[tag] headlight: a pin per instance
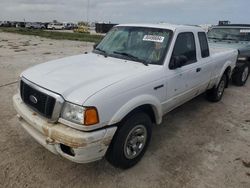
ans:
(74, 113)
(80, 115)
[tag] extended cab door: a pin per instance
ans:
(188, 79)
(205, 62)
(199, 72)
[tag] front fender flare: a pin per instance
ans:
(135, 103)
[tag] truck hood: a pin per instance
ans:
(76, 78)
(243, 47)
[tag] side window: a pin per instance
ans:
(185, 46)
(203, 44)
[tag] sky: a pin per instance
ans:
(127, 11)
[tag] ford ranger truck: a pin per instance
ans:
(235, 36)
(104, 103)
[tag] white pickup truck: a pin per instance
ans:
(105, 103)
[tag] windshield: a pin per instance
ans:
(234, 34)
(141, 44)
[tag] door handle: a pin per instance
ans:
(198, 69)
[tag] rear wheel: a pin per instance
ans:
(240, 75)
(130, 141)
(215, 94)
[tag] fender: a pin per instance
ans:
(225, 66)
(137, 102)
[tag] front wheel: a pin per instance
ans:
(130, 141)
(240, 75)
(215, 94)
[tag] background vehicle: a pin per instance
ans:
(235, 36)
(103, 27)
(35, 25)
(5, 24)
(81, 29)
(20, 24)
(105, 103)
(69, 26)
(56, 26)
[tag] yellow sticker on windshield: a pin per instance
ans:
(153, 38)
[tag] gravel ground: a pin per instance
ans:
(200, 144)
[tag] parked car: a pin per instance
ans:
(69, 26)
(235, 36)
(35, 25)
(56, 26)
(20, 24)
(5, 24)
(105, 103)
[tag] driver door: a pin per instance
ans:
(180, 82)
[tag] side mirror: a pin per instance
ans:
(95, 45)
(177, 61)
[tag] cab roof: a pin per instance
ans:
(165, 26)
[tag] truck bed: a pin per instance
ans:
(220, 50)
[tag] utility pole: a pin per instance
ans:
(87, 11)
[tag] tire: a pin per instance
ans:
(130, 141)
(215, 94)
(240, 75)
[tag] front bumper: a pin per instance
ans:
(81, 147)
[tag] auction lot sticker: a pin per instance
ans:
(245, 31)
(153, 38)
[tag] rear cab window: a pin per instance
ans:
(203, 44)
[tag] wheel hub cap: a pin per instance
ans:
(221, 88)
(135, 141)
(245, 74)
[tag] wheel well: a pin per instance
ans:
(227, 72)
(147, 108)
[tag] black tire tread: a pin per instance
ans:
(237, 76)
(115, 153)
(212, 94)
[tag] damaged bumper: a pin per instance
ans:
(75, 145)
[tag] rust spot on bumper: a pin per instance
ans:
(46, 130)
(107, 141)
(60, 134)
(63, 138)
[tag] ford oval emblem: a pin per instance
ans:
(33, 99)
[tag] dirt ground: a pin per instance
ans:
(200, 144)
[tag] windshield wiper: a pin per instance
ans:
(214, 38)
(103, 51)
(130, 56)
(231, 39)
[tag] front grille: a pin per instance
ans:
(38, 101)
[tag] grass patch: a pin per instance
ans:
(55, 35)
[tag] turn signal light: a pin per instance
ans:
(91, 116)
